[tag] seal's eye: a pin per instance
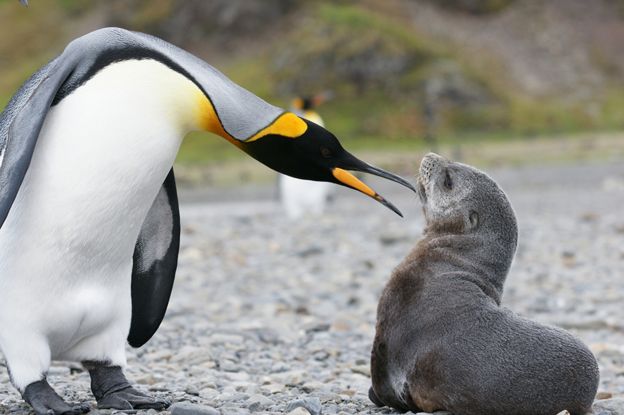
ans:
(448, 183)
(325, 152)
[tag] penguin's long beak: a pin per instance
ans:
(349, 180)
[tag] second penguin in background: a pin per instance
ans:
(304, 197)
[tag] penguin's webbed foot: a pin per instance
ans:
(112, 391)
(131, 398)
(45, 401)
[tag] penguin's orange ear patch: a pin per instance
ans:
(286, 125)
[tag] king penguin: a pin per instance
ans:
(89, 220)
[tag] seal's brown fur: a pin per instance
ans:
(442, 340)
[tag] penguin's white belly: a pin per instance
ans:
(66, 247)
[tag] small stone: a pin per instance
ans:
(614, 406)
(317, 328)
(187, 408)
(299, 411)
(362, 370)
(230, 410)
(340, 325)
(604, 395)
(392, 238)
(191, 391)
(312, 386)
(208, 393)
(273, 388)
(222, 338)
(147, 379)
(58, 371)
(258, 402)
(237, 376)
(348, 393)
(313, 405)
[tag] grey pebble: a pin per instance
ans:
(231, 410)
(313, 405)
(187, 408)
(257, 402)
(614, 406)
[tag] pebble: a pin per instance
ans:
(313, 405)
(257, 402)
(186, 408)
(614, 406)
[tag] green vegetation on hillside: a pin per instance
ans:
(391, 82)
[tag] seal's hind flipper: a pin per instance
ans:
(374, 398)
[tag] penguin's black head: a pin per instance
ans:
(317, 155)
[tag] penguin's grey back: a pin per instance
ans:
(94, 51)
(240, 113)
(18, 101)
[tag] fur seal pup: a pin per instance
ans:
(443, 342)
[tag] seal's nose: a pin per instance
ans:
(427, 165)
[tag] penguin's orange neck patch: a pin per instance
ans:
(286, 125)
(207, 116)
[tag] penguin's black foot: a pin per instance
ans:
(131, 398)
(112, 391)
(45, 401)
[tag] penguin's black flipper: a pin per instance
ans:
(155, 262)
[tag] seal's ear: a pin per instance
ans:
(474, 219)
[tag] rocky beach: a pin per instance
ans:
(272, 316)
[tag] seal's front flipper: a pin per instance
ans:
(113, 391)
(45, 401)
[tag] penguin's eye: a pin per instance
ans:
(325, 152)
(448, 183)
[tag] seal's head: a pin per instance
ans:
(457, 198)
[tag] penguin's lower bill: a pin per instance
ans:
(349, 180)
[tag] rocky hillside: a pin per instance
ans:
(396, 69)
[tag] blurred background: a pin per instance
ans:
(537, 81)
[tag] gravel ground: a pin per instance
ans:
(272, 316)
